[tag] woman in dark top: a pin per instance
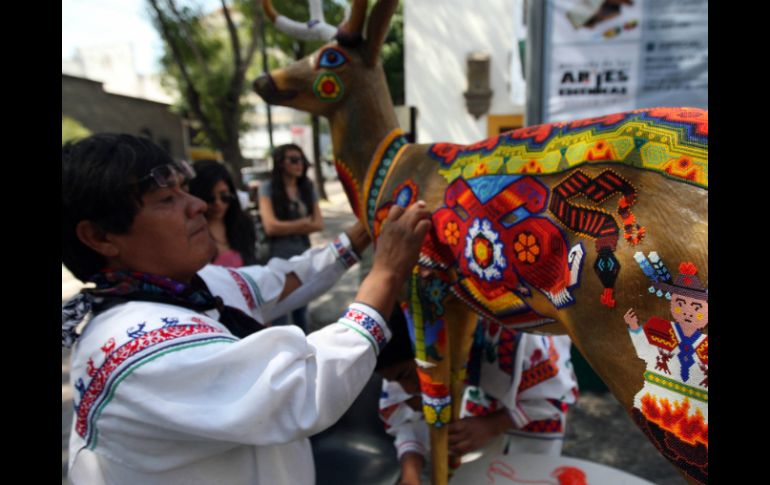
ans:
(232, 229)
(289, 209)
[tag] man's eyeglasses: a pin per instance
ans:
(294, 159)
(170, 175)
(223, 197)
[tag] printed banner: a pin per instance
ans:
(606, 56)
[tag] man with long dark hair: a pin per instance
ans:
(175, 378)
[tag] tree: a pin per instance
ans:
(392, 54)
(209, 66)
(211, 58)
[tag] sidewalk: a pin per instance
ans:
(598, 429)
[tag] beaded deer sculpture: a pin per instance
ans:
(543, 228)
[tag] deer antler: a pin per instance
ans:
(314, 29)
(354, 18)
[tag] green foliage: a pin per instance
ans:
(71, 129)
(203, 46)
(206, 50)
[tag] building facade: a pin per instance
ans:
(439, 38)
(86, 101)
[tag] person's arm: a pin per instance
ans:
(403, 422)
(276, 227)
(411, 468)
(272, 387)
(397, 252)
(359, 241)
(317, 219)
(283, 285)
(205, 386)
(359, 237)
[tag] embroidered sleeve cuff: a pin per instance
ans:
(343, 248)
(369, 323)
(638, 329)
(413, 446)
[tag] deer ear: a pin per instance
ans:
(377, 28)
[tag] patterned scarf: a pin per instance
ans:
(115, 287)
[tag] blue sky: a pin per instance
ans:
(87, 23)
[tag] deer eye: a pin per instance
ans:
(331, 58)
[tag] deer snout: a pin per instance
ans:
(265, 86)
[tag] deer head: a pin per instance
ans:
(342, 81)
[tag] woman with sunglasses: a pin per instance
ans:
(289, 209)
(232, 229)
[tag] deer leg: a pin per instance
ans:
(448, 374)
(433, 368)
(443, 332)
(439, 436)
(460, 326)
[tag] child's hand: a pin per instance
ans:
(470, 434)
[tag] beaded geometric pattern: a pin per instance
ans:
(436, 402)
(328, 87)
(379, 168)
(501, 233)
(349, 183)
(670, 141)
(500, 245)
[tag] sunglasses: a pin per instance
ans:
(294, 159)
(170, 175)
(223, 197)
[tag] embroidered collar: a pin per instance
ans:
(114, 287)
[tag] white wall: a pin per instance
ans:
(438, 36)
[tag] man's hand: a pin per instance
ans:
(470, 434)
(398, 248)
(398, 245)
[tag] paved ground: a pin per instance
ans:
(599, 429)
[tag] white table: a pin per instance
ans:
(540, 470)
